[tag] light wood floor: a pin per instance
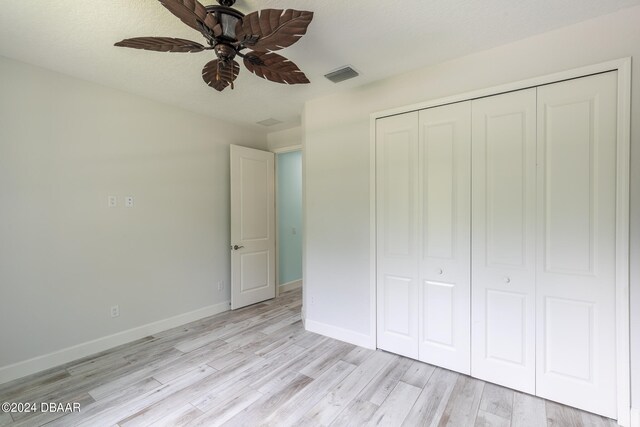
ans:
(257, 366)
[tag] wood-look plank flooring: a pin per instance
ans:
(258, 366)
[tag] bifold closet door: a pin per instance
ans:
(445, 189)
(503, 236)
(397, 233)
(576, 329)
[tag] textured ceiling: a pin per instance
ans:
(377, 38)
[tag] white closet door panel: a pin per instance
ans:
(503, 250)
(445, 188)
(576, 359)
(397, 233)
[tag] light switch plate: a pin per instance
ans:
(115, 311)
(112, 201)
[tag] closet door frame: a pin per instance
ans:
(623, 67)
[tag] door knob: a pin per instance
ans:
(440, 271)
(236, 247)
(507, 280)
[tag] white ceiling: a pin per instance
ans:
(378, 38)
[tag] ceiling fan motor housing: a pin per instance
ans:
(224, 51)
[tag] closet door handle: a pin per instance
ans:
(507, 280)
(236, 247)
(440, 271)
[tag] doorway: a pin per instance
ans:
(289, 220)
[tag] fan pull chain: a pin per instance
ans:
(218, 75)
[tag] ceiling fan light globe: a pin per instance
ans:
(228, 18)
(229, 23)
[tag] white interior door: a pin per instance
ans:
(503, 233)
(397, 233)
(576, 330)
(445, 264)
(252, 226)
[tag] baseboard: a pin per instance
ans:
(635, 417)
(290, 286)
(341, 334)
(69, 354)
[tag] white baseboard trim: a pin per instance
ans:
(69, 354)
(341, 334)
(635, 417)
(290, 286)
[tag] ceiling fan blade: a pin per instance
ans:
(192, 13)
(274, 28)
(274, 67)
(161, 44)
(219, 75)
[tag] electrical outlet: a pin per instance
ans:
(128, 201)
(115, 311)
(112, 201)
(293, 230)
(220, 285)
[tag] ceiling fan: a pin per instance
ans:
(228, 32)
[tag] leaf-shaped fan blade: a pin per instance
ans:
(275, 28)
(161, 44)
(191, 12)
(219, 75)
(274, 67)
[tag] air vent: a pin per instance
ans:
(342, 74)
(270, 122)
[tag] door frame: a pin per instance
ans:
(277, 151)
(623, 67)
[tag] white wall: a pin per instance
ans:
(336, 150)
(285, 138)
(65, 258)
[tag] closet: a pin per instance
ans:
(504, 239)
(496, 239)
(423, 209)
